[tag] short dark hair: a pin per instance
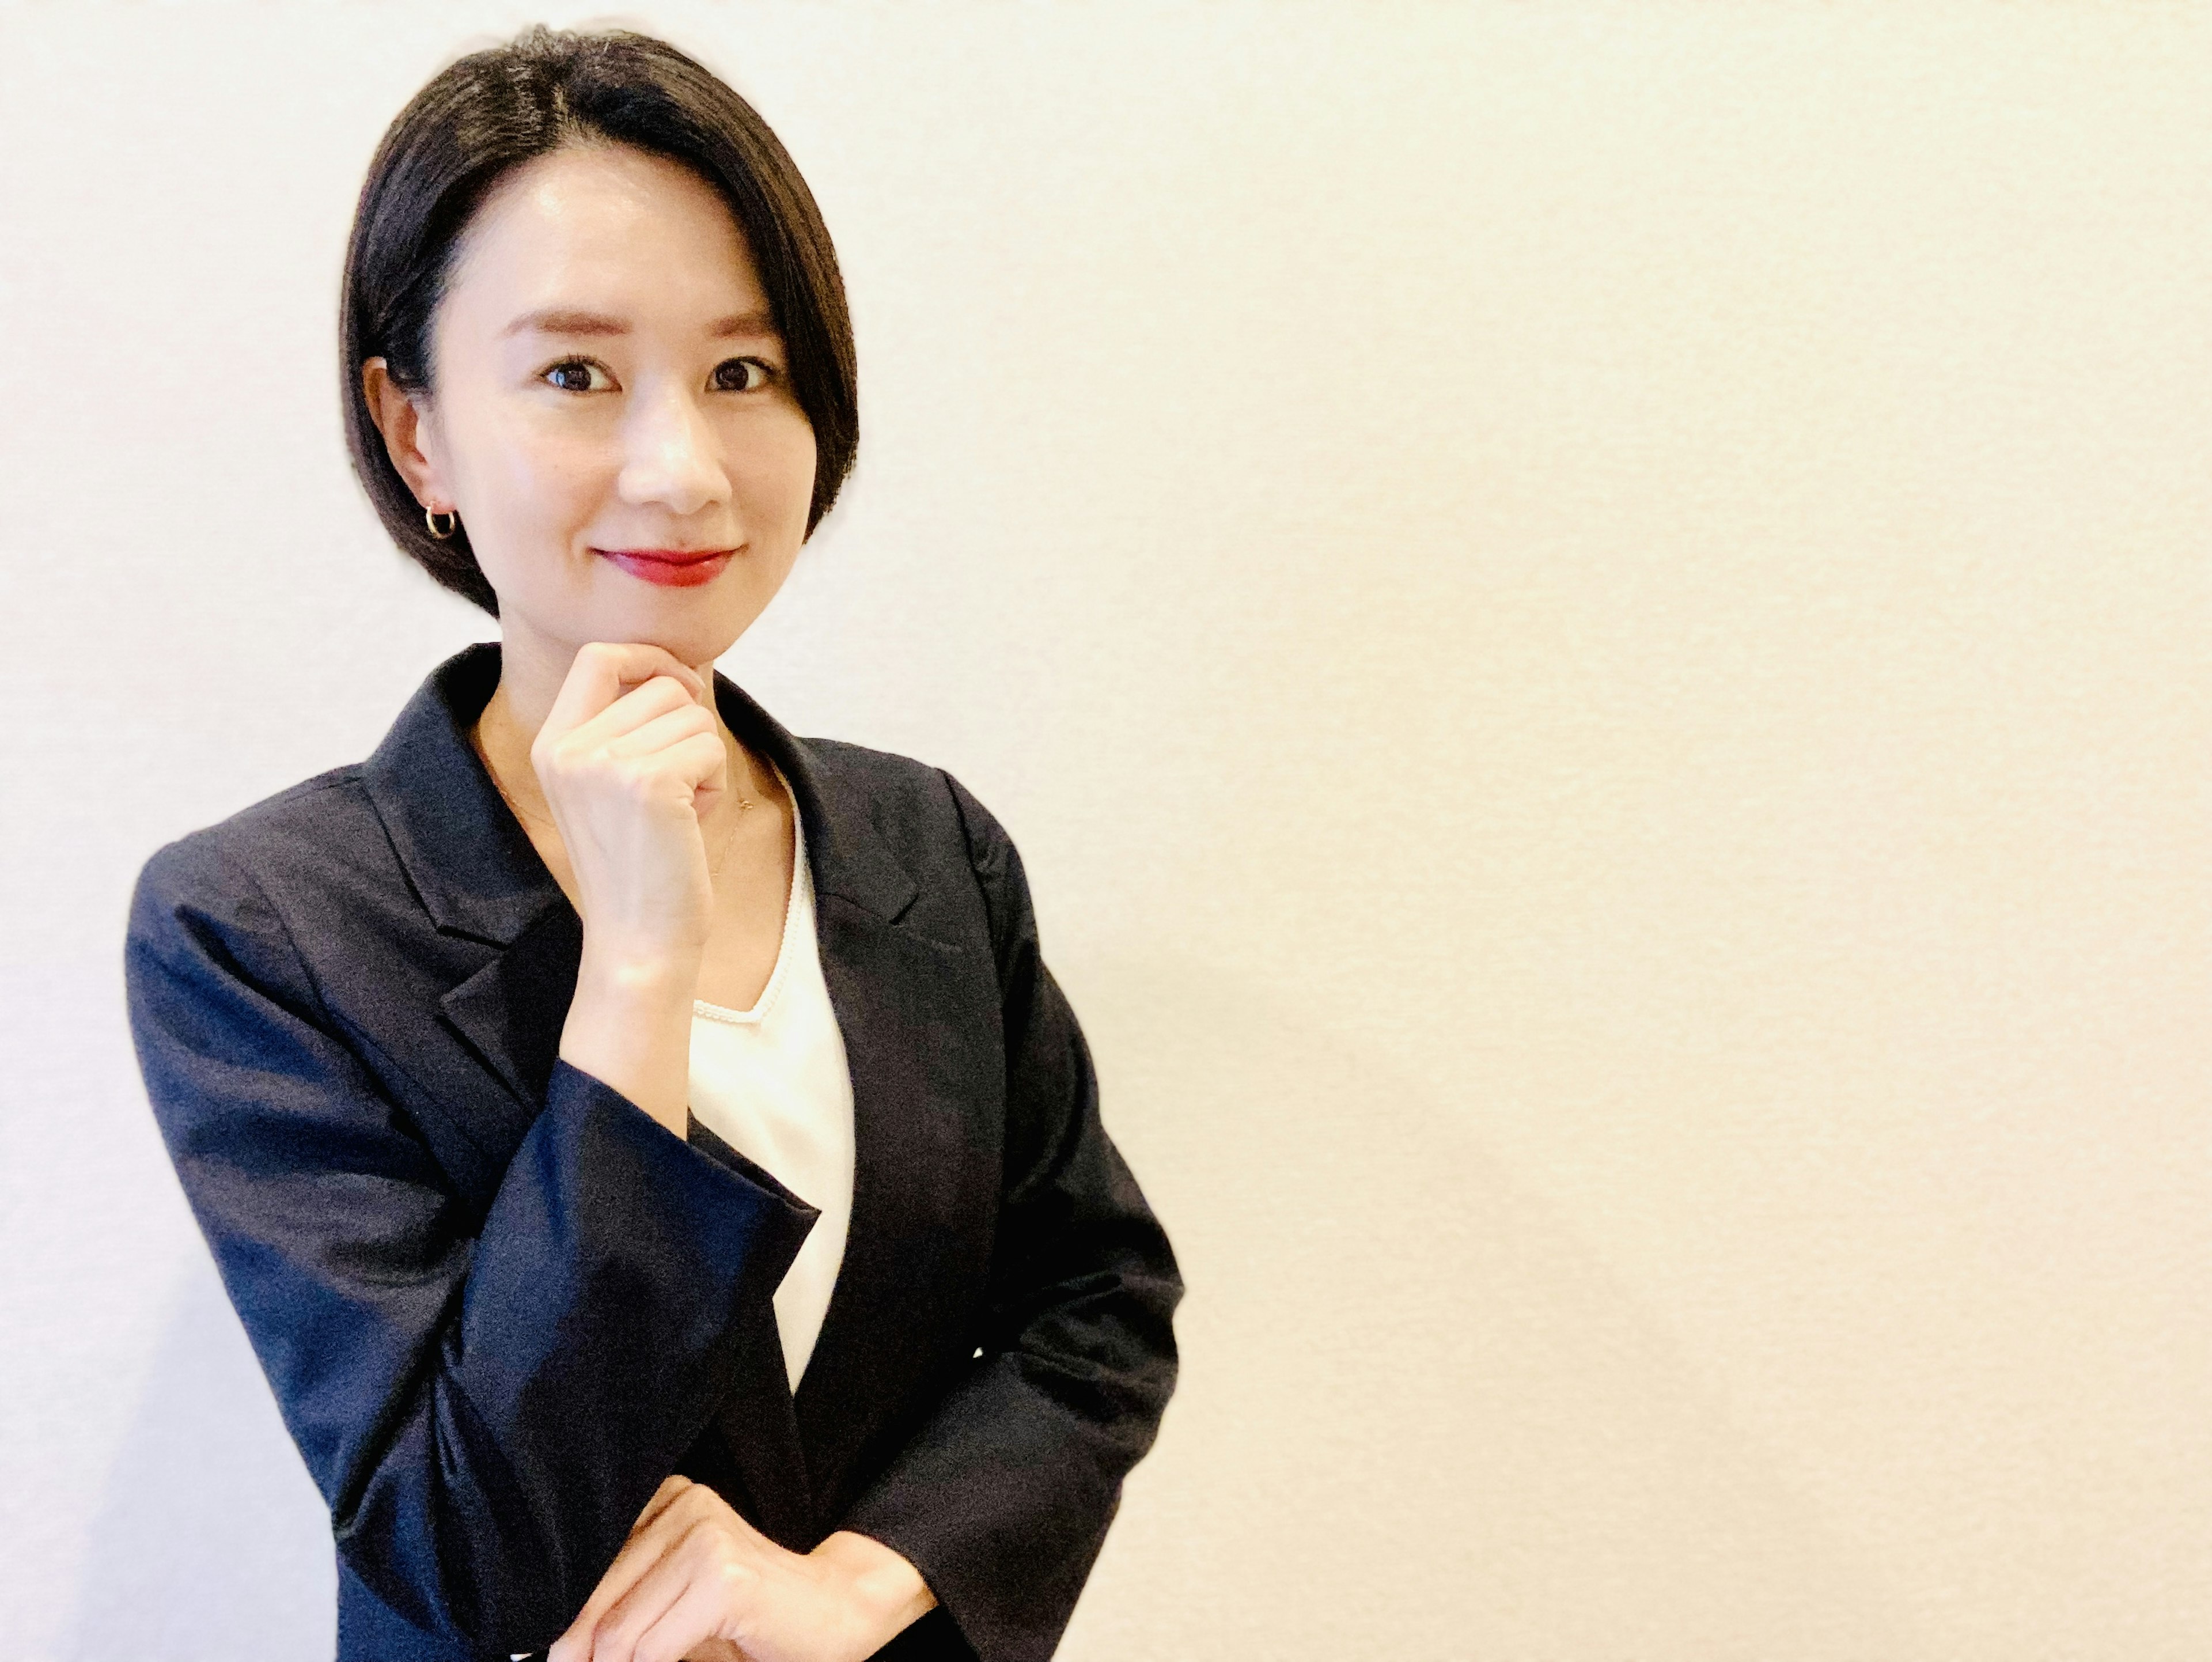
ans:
(495, 110)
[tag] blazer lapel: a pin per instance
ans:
(478, 878)
(469, 860)
(512, 1010)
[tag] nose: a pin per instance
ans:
(671, 459)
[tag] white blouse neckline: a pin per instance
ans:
(792, 912)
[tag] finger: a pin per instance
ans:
(633, 661)
(643, 702)
(660, 704)
(615, 1637)
(671, 1487)
(698, 765)
(688, 1594)
(664, 732)
(685, 1627)
(699, 762)
(656, 1534)
(660, 1530)
(603, 670)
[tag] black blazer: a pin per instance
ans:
(499, 1304)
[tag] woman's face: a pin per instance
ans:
(611, 410)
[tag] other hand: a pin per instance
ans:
(696, 1583)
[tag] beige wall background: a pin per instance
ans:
(1593, 621)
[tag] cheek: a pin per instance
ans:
(528, 492)
(544, 475)
(775, 473)
(498, 448)
(529, 484)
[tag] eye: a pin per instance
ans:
(741, 376)
(578, 375)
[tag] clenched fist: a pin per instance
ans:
(632, 764)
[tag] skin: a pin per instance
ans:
(607, 377)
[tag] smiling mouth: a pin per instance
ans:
(671, 568)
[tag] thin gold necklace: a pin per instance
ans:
(713, 866)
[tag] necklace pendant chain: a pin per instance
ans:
(714, 865)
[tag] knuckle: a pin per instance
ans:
(698, 1501)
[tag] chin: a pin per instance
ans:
(692, 627)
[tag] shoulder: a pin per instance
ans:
(936, 828)
(321, 834)
(912, 805)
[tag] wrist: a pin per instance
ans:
(882, 1592)
(629, 1027)
(635, 976)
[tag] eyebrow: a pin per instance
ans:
(564, 321)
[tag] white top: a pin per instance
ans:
(772, 1082)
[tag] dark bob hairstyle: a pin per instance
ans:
(493, 111)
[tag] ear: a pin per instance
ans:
(409, 436)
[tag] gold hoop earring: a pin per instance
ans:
(430, 517)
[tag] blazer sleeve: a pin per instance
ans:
(1003, 1498)
(486, 1403)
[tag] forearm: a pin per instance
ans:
(629, 1027)
(1002, 1502)
(593, 1329)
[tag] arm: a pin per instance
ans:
(1003, 1499)
(485, 1403)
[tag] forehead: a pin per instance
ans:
(607, 228)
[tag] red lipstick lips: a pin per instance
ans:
(672, 568)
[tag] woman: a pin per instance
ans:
(661, 1181)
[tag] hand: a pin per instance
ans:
(697, 1583)
(629, 758)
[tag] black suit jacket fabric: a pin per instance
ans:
(498, 1304)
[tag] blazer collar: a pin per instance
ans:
(472, 863)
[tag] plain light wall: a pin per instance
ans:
(1593, 620)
